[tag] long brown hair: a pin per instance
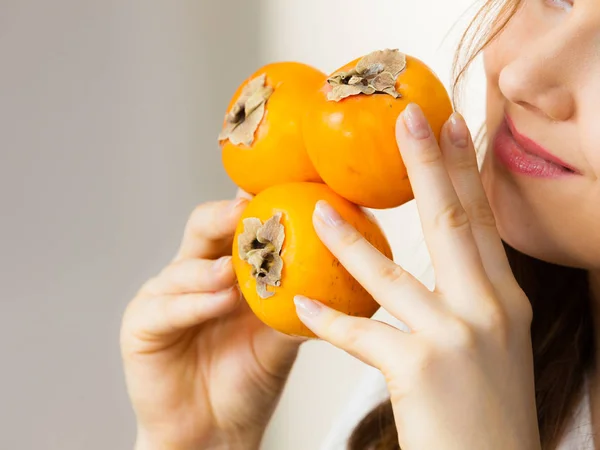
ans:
(562, 330)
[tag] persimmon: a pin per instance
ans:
(278, 255)
(261, 139)
(349, 129)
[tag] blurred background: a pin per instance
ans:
(109, 112)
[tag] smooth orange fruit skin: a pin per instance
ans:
(277, 154)
(309, 268)
(352, 143)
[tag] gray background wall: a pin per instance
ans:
(108, 116)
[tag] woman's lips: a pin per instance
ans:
(522, 155)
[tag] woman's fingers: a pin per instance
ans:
(446, 225)
(209, 231)
(365, 339)
(192, 276)
(396, 290)
(165, 315)
(461, 161)
(240, 193)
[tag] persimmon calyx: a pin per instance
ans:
(244, 118)
(260, 246)
(377, 72)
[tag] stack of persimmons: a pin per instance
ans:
(293, 136)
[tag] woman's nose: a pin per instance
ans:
(540, 78)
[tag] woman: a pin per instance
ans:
(500, 355)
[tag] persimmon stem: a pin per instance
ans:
(242, 121)
(260, 246)
(375, 73)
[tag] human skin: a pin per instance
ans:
(541, 75)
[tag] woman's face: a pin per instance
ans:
(542, 169)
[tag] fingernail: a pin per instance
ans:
(459, 134)
(415, 122)
(327, 214)
(305, 307)
(221, 263)
(235, 204)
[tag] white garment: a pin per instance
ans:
(579, 433)
(372, 390)
(369, 393)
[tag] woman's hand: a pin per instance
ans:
(202, 371)
(463, 377)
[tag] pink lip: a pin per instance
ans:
(534, 148)
(522, 155)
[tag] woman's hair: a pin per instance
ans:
(562, 330)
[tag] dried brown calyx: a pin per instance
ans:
(242, 121)
(375, 73)
(260, 245)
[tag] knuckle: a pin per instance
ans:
(168, 271)
(392, 273)
(350, 237)
(495, 317)
(198, 214)
(453, 216)
(518, 308)
(349, 332)
(526, 313)
(522, 313)
(149, 286)
(134, 322)
(494, 321)
(460, 334)
(480, 213)
(203, 215)
(129, 314)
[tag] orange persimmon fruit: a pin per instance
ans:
(278, 255)
(349, 128)
(261, 138)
